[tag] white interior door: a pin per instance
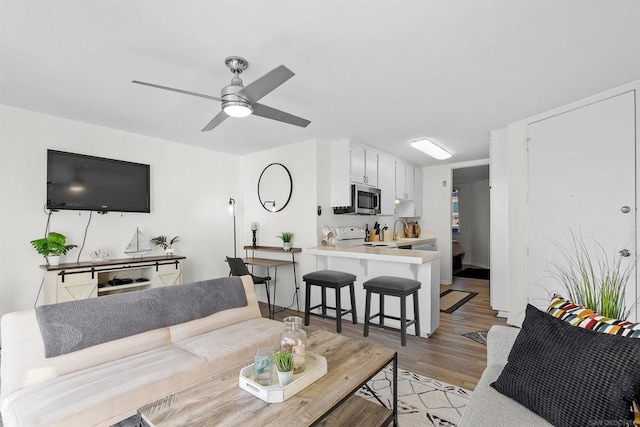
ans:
(581, 173)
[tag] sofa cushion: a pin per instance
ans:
(487, 407)
(571, 376)
(586, 318)
(233, 344)
(74, 325)
(111, 391)
(23, 362)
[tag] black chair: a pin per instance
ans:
(237, 267)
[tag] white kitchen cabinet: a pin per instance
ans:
(386, 183)
(405, 181)
(409, 181)
(417, 198)
(411, 208)
(351, 163)
(401, 193)
(364, 164)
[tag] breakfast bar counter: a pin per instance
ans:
(375, 253)
(369, 262)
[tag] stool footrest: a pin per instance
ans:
(393, 328)
(409, 322)
(324, 316)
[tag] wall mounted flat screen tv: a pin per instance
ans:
(88, 183)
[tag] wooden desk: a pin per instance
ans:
(275, 263)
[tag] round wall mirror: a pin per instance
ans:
(275, 187)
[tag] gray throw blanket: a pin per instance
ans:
(74, 325)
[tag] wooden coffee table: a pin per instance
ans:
(219, 401)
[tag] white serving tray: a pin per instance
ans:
(316, 367)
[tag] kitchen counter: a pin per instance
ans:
(379, 253)
(367, 262)
(404, 242)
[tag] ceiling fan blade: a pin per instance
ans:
(271, 113)
(265, 84)
(186, 92)
(219, 118)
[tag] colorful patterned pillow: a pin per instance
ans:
(586, 318)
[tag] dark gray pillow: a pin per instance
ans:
(572, 376)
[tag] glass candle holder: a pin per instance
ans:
(263, 366)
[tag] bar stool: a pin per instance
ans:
(329, 279)
(397, 287)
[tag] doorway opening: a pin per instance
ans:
(470, 221)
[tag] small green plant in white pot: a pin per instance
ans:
(165, 243)
(286, 237)
(52, 247)
(284, 365)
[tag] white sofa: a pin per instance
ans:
(106, 383)
(488, 407)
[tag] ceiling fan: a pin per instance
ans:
(241, 101)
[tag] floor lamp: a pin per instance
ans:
(232, 212)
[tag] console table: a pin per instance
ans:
(275, 263)
(81, 280)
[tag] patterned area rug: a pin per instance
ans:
(478, 336)
(422, 401)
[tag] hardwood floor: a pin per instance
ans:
(446, 355)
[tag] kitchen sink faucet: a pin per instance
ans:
(395, 236)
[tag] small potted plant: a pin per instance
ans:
(286, 240)
(52, 247)
(165, 243)
(284, 364)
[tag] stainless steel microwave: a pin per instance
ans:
(364, 201)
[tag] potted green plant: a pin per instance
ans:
(284, 364)
(165, 243)
(286, 240)
(52, 247)
(593, 279)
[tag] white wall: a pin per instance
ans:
(299, 217)
(473, 208)
(190, 188)
(437, 209)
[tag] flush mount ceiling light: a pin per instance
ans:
(430, 148)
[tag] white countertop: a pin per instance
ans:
(379, 253)
(406, 241)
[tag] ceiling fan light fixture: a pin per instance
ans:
(431, 148)
(237, 109)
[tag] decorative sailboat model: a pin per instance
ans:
(139, 245)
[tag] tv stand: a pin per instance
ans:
(74, 281)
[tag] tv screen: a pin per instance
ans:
(87, 183)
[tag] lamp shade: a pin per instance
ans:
(232, 207)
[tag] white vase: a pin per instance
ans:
(53, 259)
(169, 252)
(286, 246)
(285, 378)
